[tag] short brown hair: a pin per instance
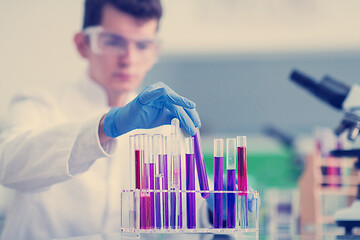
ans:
(141, 9)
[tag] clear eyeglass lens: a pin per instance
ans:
(114, 44)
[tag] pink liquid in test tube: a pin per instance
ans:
(242, 179)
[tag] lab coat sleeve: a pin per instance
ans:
(35, 153)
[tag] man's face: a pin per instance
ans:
(119, 73)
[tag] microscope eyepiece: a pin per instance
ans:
(304, 81)
(329, 90)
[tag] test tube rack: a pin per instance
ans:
(159, 202)
(133, 208)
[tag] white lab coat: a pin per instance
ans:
(66, 183)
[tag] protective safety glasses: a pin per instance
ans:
(110, 43)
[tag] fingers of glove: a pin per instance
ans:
(194, 117)
(166, 94)
(185, 120)
(251, 205)
(251, 199)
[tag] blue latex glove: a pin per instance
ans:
(153, 107)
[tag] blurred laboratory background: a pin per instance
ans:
(233, 58)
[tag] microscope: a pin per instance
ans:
(347, 99)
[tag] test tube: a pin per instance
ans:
(145, 201)
(151, 177)
(164, 171)
(137, 143)
(132, 202)
(231, 182)
(200, 165)
(190, 183)
(175, 195)
(139, 161)
(218, 182)
(159, 177)
(242, 180)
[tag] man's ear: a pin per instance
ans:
(81, 44)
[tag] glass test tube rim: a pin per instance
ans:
(218, 147)
(165, 145)
(189, 145)
(241, 141)
(231, 153)
(175, 126)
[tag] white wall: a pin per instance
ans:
(36, 36)
(36, 44)
(261, 25)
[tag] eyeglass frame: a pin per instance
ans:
(94, 32)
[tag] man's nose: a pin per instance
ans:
(130, 56)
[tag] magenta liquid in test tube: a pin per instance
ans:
(140, 146)
(231, 182)
(137, 162)
(200, 165)
(145, 200)
(218, 182)
(242, 179)
(157, 155)
(190, 183)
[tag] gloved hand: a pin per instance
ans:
(153, 107)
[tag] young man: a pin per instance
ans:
(65, 152)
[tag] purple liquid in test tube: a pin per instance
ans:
(150, 180)
(200, 165)
(190, 183)
(231, 182)
(152, 195)
(218, 182)
(164, 171)
(158, 208)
